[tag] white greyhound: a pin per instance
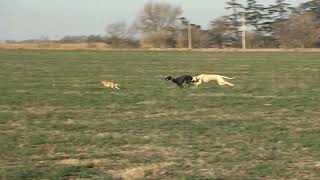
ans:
(207, 77)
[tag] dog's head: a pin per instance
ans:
(169, 78)
(195, 79)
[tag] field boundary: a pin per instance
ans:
(104, 47)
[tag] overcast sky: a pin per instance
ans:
(25, 19)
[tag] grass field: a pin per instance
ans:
(57, 122)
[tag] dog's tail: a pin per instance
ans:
(228, 77)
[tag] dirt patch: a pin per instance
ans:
(154, 102)
(139, 172)
(40, 110)
(208, 95)
(104, 134)
(149, 150)
(269, 96)
(34, 110)
(78, 162)
(308, 162)
(174, 113)
(213, 59)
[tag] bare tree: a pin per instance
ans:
(94, 39)
(199, 37)
(160, 39)
(305, 30)
(157, 16)
(181, 40)
(117, 29)
(157, 24)
(299, 31)
(312, 6)
(120, 35)
(255, 39)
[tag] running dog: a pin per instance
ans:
(110, 84)
(207, 77)
(180, 80)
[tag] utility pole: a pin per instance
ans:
(243, 31)
(189, 30)
(189, 36)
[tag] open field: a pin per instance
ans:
(57, 122)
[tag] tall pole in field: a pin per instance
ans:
(187, 23)
(189, 36)
(243, 19)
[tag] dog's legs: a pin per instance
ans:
(230, 84)
(116, 86)
(197, 84)
(226, 82)
(188, 82)
(180, 85)
(223, 82)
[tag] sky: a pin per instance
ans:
(28, 19)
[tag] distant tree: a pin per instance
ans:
(119, 35)
(299, 31)
(204, 39)
(237, 10)
(275, 13)
(220, 33)
(181, 41)
(74, 39)
(278, 25)
(94, 39)
(259, 25)
(159, 39)
(254, 14)
(157, 22)
(258, 40)
(117, 29)
(11, 41)
(157, 16)
(312, 6)
(280, 10)
(199, 37)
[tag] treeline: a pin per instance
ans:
(161, 25)
(279, 25)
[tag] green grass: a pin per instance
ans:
(57, 122)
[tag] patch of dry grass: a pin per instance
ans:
(141, 172)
